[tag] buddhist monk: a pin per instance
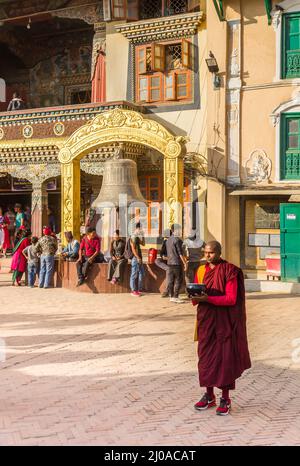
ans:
(221, 328)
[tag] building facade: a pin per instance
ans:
(254, 116)
(97, 78)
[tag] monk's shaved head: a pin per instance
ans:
(215, 246)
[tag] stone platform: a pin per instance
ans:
(66, 277)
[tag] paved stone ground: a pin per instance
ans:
(98, 370)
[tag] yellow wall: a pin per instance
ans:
(117, 48)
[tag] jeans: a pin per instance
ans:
(32, 273)
(137, 273)
(46, 272)
(175, 280)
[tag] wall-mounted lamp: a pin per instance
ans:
(213, 68)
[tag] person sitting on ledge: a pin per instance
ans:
(71, 251)
(117, 262)
(16, 103)
(89, 252)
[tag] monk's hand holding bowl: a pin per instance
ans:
(200, 298)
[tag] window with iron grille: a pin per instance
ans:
(146, 9)
(164, 72)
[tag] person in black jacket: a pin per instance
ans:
(161, 262)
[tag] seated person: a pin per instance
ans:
(117, 262)
(89, 252)
(71, 251)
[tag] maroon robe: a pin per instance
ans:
(222, 336)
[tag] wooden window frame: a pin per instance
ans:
(284, 149)
(149, 88)
(124, 5)
(163, 74)
(114, 7)
(151, 203)
(186, 55)
(284, 50)
(139, 60)
(161, 57)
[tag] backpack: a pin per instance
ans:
(128, 254)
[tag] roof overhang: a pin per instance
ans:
(168, 27)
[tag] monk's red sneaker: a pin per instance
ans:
(224, 407)
(205, 402)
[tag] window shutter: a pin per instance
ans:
(106, 10)
(118, 9)
(142, 60)
(186, 53)
(143, 89)
(193, 5)
(133, 10)
(170, 86)
(157, 57)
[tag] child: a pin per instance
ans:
(33, 261)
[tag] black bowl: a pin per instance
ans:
(195, 289)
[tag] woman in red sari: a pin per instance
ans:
(4, 222)
(221, 328)
(19, 262)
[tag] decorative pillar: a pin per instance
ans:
(173, 190)
(233, 101)
(39, 203)
(70, 189)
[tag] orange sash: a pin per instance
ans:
(200, 277)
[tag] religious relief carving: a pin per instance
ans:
(59, 129)
(258, 167)
(234, 63)
(28, 131)
(276, 18)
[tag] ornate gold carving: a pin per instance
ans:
(65, 155)
(27, 131)
(122, 125)
(35, 144)
(71, 197)
(128, 127)
(59, 129)
(1, 133)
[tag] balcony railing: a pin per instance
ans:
(291, 166)
(292, 64)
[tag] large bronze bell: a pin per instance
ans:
(119, 178)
